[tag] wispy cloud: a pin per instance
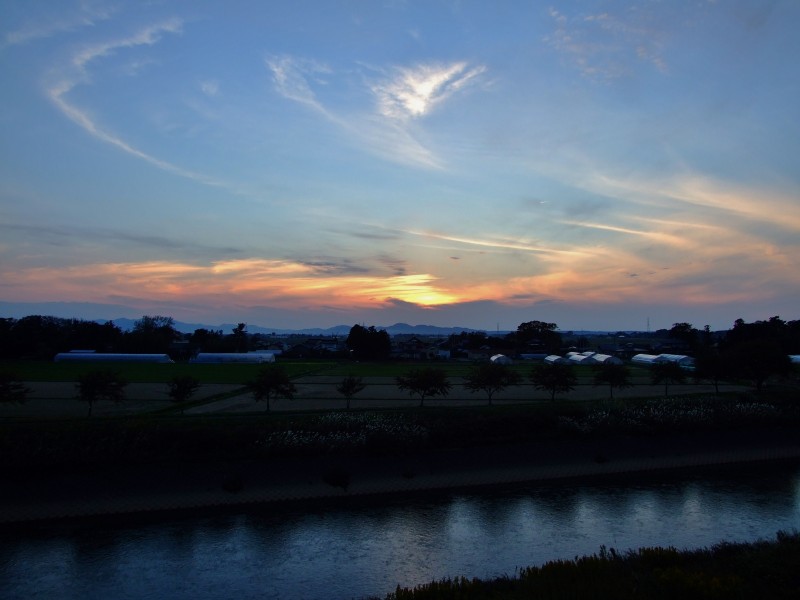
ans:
(72, 235)
(603, 46)
(411, 93)
(245, 282)
(657, 236)
(89, 15)
(291, 76)
(494, 244)
(686, 191)
(414, 92)
(145, 37)
(209, 87)
(62, 82)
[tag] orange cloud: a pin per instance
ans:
(253, 280)
(655, 260)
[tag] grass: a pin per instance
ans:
(47, 371)
(763, 569)
(141, 439)
(153, 372)
(168, 435)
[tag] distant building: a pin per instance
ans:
(84, 356)
(555, 359)
(606, 359)
(233, 357)
(645, 360)
(500, 359)
(580, 359)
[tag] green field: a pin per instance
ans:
(240, 373)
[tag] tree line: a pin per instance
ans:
(39, 337)
(752, 350)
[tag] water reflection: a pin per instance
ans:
(369, 549)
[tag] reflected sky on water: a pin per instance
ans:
(369, 548)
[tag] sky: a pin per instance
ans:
(607, 165)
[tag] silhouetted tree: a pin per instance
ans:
(490, 378)
(37, 337)
(539, 334)
(614, 376)
(686, 333)
(349, 387)
(667, 373)
(98, 385)
(272, 381)
(7, 349)
(711, 365)
(240, 337)
(425, 382)
(89, 335)
(12, 389)
(208, 340)
(775, 329)
(369, 343)
(182, 387)
(152, 334)
(555, 378)
(757, 360)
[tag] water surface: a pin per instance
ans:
(368, 548)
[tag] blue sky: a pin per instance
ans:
(596, 164)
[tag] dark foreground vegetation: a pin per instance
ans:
(62, 444)
(765, 569)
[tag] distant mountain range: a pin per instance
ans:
(341, 330)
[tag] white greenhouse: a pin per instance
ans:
(680, 359)
(555, 359)
(607, 359)
(579, 359)
(645, 359)
(84, 356)
(233, 357)
(500, 359)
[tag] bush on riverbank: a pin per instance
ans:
(765, 569)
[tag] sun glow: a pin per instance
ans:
(245, 281)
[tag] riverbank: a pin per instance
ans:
(208, 485)
(762, 569)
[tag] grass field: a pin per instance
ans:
(240, 373)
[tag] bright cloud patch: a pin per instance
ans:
(414, 92)
(248, 281)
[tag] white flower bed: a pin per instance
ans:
(346, 431)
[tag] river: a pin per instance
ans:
(368, 548)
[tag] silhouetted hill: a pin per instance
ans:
(341, 330)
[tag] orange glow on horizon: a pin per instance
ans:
(676, 268)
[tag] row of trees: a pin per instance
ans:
(273, 382)
(369, 343)
(97, 385)
(41, 337)
(488, 378)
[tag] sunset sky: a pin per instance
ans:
(456, 163)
